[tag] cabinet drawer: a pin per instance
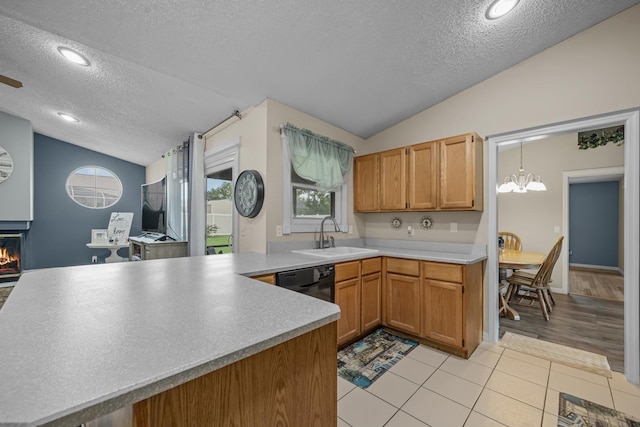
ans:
(442, 271)
(347, 270)
(408, 267)
(371, 265)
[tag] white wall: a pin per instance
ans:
(533, 215)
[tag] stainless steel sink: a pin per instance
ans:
(335, 252)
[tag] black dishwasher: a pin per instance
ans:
(314, 281)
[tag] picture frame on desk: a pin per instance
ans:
(99, 235)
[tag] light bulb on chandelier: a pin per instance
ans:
(522, 182)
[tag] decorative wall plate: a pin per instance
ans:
(6, 164)
(248, 193)
(426, 222)
(396, 223)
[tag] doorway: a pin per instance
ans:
(631, 120)
(593, 212)
(221, 171)
(219, 220)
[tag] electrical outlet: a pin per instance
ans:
(278, 231)
(453, 227)
(351, 229)
(410, 231)
(94, 259)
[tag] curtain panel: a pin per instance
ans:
(177, 169)
(317, 158)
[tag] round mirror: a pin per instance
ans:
(94, 187)
(6, 164)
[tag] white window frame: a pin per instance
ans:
(290, 224)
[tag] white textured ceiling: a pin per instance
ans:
(164, 68)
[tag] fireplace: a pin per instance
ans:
(11, 247)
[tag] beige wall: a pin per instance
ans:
(277, 114)
(591, 73)
(252, 155)
(155, 171)
(533, 215)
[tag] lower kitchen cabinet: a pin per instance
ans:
(358, 292)
(371, 291)
(347, 296)
(443, 312)
(266, 278)
(403, 304)
(452, 305)
(440, 303)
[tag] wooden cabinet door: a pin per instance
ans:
(403, 302)
(371, 301)
(266, 278)
(443, 315)
(366, 178)
(393, 179)
(423, 176)
(457, 172)
(347, 296)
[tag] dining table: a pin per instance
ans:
(516, 260)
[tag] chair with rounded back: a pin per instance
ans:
(512, 241)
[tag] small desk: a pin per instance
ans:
(113, 256)
(517, 260)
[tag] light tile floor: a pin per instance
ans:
(495, 387)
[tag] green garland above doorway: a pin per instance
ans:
(600, 137)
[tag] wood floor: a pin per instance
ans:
(590, 324)
(596, 283)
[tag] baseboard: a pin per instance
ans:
(596, 268)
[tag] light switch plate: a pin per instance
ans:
(453, 226)
(278, 231)
(556, 229)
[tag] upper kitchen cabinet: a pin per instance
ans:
(436, 175)
(366, 177)
(423, 176)
(393, 183)
(461, 181)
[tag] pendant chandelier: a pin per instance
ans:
(522, 182)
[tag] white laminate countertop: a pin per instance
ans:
(79, 342)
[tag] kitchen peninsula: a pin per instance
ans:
(81, 342)
(181, 340)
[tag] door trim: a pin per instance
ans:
(631, 121)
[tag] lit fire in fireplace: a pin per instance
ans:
(8, 261)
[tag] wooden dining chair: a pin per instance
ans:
(535, 287)
(512, 241)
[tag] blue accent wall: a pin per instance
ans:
(61, 228)
(593, 223)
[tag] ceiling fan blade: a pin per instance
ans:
(13, 83)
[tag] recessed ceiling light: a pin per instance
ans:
(499, 8)
(68, 117)
(73, 56)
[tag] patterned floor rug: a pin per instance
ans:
(365, 361)
(573, 357)
(573, 411)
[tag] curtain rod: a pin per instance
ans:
(235, 113)
(282, 126)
